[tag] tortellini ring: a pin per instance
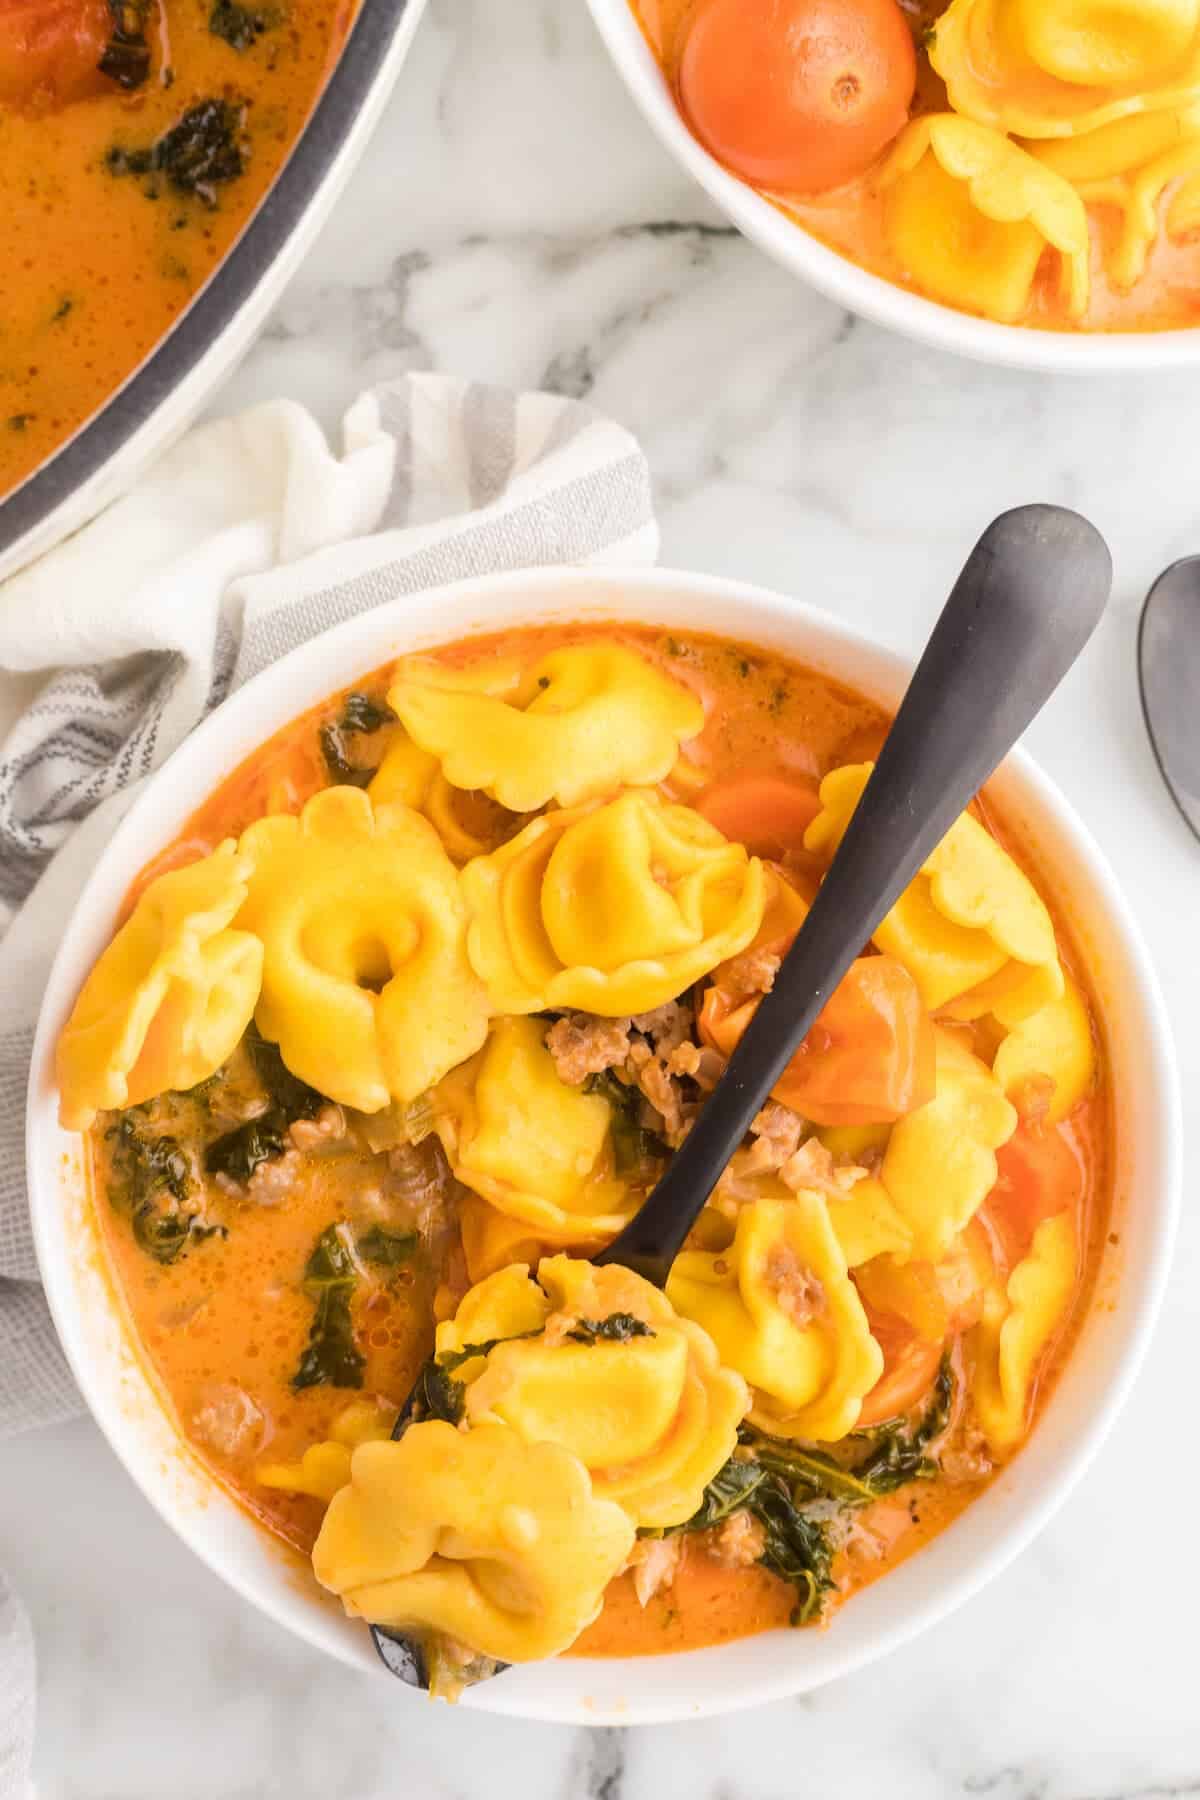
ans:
(468, 823)
(1018, 1324)
(970, 216)
(579, 723)
(524, 1140)
(366, 985)
(1054, 68)
(498, 1542)
(782, 1310)
(324, 1468)
(612, 909)
(971, 929)
(1055, 1043)
(649, 1410)
(169, 998)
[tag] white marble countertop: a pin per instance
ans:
(515, 220)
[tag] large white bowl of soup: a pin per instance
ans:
(386, 1006)
(1014, 180)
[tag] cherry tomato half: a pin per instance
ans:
(797, 95)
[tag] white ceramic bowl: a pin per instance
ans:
(162, 396)
(844, 281)
(979, 1544)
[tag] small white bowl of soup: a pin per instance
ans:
(1015, 181)
(430, 943)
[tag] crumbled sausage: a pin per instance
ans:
(736, 1542)
(228, 1420)
(655, 1564)
(329, 1127)
(813, 1166)
(797, 1291)
(584, 1045)
(666, 1026)
(753, 972)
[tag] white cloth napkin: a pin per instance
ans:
(246, 539)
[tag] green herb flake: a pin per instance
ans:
(617, 1328)
(359, 713)
(239, 26)
(151, 1184)
(637, 1151)
(387, 1249)
(331, 1358)
(202, 152)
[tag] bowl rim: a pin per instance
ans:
(197, 766)
(852, 286)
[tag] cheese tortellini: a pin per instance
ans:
(599, 1361)
(498, 1541)
(578, 723)
(366, 986)
(324, 1468)
(468, 823)
(1054, 1043)
(971, 929)
(940, 1161)
(536, 1149)
(169, 998)
(782, 1310)
(1018, 1323)
(970, 215)
(1053, 68)
(613, 909)
(1128, 166)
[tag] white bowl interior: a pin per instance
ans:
(925, 1588)
(856, 288)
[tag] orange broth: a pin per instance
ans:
(95, 264)
(232, 1310)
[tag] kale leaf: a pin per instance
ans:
(900, 1451)
(635, 1149)
(617, 1328)
(151, 1184)
(331, 1357)
(293, 1097)
(239, 26)
(200, 153)
(126, 56)
(359, 713)
(436, 1394)
(387, 1249)
(241, 1151)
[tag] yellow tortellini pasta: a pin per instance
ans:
(971, 929)
(496, 1541)
(1052, 68)
(170, 997)
(867, 1223)
(1129, 165)
(537, 1149)
(468, 823)
(1056, 1041)
(1017, 1325)
(580, 722)
(970, 216)
(598, 1361)
(324, 1468)
(612, 909)
(782, 1310)
(366, 986)
(940, 1163)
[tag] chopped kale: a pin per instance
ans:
(359, 713)
(151, 1185)
(331, 1357)
(197, 155)
(62, 311)
(126, 57)
(788, 1490)
(240, 26)
(900, 1450)
(636, 1150)
(19, 420)
(294, 1098)
(436, 1394)
(617, 1328)
(244, 1149)
(387, 1249)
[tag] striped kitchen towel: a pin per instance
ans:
(243, 541)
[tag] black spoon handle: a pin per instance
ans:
(1028, 599)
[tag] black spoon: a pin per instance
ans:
(1027, 601)
(1169, 678)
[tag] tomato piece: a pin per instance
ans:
(867, 1060)
(910, 1366)
(797, 95)
(1040, 1173)
(769, 814)
(50, 50)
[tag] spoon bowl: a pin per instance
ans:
(1169, 680)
